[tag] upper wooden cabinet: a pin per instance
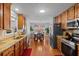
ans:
(7, 13)
(58, 19)
(1, 16)
(76, 10)
(21, 21)
(64, 20)
(71, 13)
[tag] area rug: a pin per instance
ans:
(27, 52)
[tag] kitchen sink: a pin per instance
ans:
(18, 37)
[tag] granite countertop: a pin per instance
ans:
(8, 42)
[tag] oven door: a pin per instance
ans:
(68, 49)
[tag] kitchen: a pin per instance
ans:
(15, 34)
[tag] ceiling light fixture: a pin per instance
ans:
(42, 11)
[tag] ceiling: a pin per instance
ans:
(32, 10)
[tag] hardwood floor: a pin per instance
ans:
(43, 48)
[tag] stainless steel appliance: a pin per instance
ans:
(68, 48)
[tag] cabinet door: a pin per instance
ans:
(71, 13)
(59, 42)
(1, 16)
(0, 54)
(10, 54)
(25, 43)
(20, 21)
(9, 51)
(64, 20)
(58, 19)
(21, 47)
(7, 13)
(76, 10)
(17, 49)
(77, 49)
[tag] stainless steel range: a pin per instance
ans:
(68, 48)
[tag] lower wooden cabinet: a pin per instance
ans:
(25, 43)
(21, 46)
(59, 38)
(78, 49)
(0, 54)
(17, 49)
(9, 51)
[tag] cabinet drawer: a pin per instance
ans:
(8, 51)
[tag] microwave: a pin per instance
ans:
(73, 23)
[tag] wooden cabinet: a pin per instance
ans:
(58, 19)
(71, 13)
(64, 20)
(25, 43)
(9, 51)
(7, 13)
(59, 38)
(78, 49)
(76, 10)
(21, 21)
(21, 47)
(1, 16)
(17, 49)
(0, 54)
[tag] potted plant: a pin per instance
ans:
(31, 29)
(47, 30)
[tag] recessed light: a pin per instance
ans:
(16, 9)
(42, 11)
